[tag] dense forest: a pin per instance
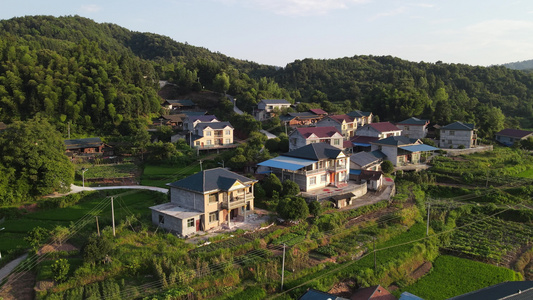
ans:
(102, 78)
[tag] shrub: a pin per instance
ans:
(60, 269)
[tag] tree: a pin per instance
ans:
(221, 82)
(315, 208)
(387, 167)
(60, 269)
(96, 249)
(36, 237)
(272, 183)
(290, 188)
(292, 208)
(35, 154)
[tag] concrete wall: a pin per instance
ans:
(174, 224)
(458, 138)
(413, 131)
(187, 199)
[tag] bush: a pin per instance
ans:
(60, 269)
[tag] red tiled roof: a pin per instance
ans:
(384, 126)
(517, 133)
(318, 111)
(321, 132)
(347, 144)
(340, 118)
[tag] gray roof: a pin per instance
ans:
(176, 211)
(364, 158)
(396, 141)
(458, 126)
(83, 143)
(359, 114)
(313, 294)
(413, 121)
(516, 290)
(210, 180)
(275, 101)
(213, 125)
(315, 151)
(202, 118)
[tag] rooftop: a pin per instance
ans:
(321, 132)
(397, 141)
(213, 125)
(516, 133)
(318, 111)
(211, 180)
(383, 126)
(414, 121)
(275, 101)
(340, 118)
(83, 143)
(458, 126)
(364, 158)
(315, 151)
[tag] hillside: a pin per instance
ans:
(525, 65)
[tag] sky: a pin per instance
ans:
(278, 32)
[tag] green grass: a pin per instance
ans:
(160, 175)
(452, 276)
(111, 171)
(526, 174)
(44, 271)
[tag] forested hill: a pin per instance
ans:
(526, 65)
(100, 78)
(396, 89)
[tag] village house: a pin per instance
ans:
(184, 104)
(361, 117)
(212, 135)
(190, 121)
(509, 137)
(299, 119)
(414, 128)
(366, 161)
(268, 108)
(457, 135)
(401, 150)
(84, 146)
(344, 124)
(309, 135)
(176, 121)
(205, 200)
(380, 130)
(313, 166)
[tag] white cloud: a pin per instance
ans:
(90, 8)
(299, 7)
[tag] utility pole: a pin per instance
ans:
(201, 169)
(97, 226)
(69, 130)
(375, 264)
(113, 215)
(427, 226)
(283, 267)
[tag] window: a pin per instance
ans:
(198, 143)
(336, 142)
(312, 180)
(213, 198)
(208, 133)
(213, 217)
(228, 141)
(208, 142)
(228, 132)
(190, 222)
(323, 178)
(451, 132)
(161, 219)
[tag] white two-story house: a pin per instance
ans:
(344, 123)
(212, 135)
(414, 128)
(309, 135)
(267, 108)
(204, 201)
(312, 167)
(458, 134)
(380, 130)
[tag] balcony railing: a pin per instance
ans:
(237, 201)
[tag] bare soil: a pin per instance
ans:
(343, 289)
(56, 247)
(19, 289)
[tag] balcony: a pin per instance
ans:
(237, 201)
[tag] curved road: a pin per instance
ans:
(76, 189)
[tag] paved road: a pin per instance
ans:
(7, 269)
(77, 189)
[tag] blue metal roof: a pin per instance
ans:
(355, 172)
(361, 144)
(419, 148)
(287, 163)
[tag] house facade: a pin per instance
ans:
(361, 117)
(458, 134)
(344, 124)
(380, 130)
(84, 146)
(401, 150)
(313, 166)
(365, 161)
(509, 137)
(309, 135)
(205, 200)
(267, 108)
(414, 128)
(212, 135)
(184, 104)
